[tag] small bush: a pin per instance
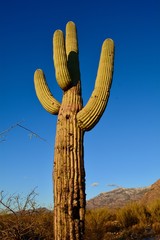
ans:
(127, 216)
(96, 223)
(132, 214)
(156, 227)
(155, 210)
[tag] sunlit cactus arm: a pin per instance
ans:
(92, 112)
(60, 61)
(43, 93)
(71, 44)
(65, 72)
(71, 38)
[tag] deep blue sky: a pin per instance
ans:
(124, 147)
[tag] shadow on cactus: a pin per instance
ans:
(73, 121)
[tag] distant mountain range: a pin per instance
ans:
(121, 196)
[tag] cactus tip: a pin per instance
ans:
(108, 43)
(58, 32)
(38, 72)
(71, 23)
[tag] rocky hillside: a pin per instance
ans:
(153, 193)
(120, 196)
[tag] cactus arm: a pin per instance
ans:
(43, 93)
(60, 61)
(92, 112)
(72, 54)
(71, 38)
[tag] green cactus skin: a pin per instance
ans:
(73, 120)
(44, 95)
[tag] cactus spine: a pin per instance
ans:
(73, 120)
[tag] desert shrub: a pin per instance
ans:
(112, 226)
(21, 219)
(27, 226)
(133, 213)
(111, 236)
(155, 210)
(156, 227)
(142, 213)
(138, 228)
(126, 216)
(96, 223)
(43, 226)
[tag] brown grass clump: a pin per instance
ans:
(96, 223)
(132, 214)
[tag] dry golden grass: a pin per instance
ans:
(133, 221)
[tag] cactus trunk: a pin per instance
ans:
(69, 174)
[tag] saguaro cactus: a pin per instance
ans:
(73, 121)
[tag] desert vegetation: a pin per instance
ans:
(133, 221)
(22, 219)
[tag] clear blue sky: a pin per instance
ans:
(124, 147)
